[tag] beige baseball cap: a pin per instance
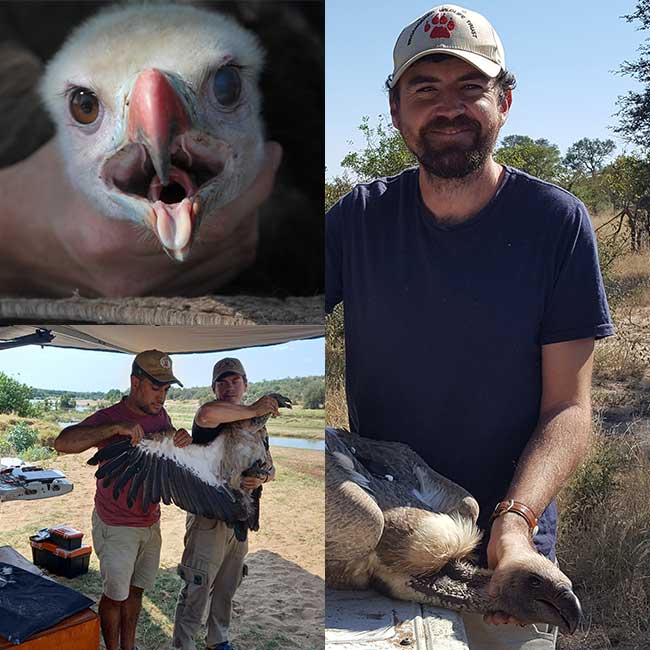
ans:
(156, 365)
(449, 29)
(229, 364)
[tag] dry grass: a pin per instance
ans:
(604, 544)
(336, 410)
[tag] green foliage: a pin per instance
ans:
(634, 113)
(67, 402)
(588, 155)
(37, 453)
(21, 436)
(14, 396)
(537, 157)
(315, 396)
(335, 189)
(384, 153)
(113, 395)
(293, 387)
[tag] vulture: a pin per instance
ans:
(203, 479)
(395, 525)
(157, 110)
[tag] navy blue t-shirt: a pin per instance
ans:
(444, 324)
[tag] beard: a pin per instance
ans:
(457, 160)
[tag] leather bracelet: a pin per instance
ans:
(520, 509)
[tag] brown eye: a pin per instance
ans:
(84, 106)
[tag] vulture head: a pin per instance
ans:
(157, 110)
(394, 524)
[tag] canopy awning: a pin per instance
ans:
(132, 339)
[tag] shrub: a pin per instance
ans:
(21, 436)
(37, 453)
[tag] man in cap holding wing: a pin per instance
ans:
(212, 566)
(486, 281)
(127, 540)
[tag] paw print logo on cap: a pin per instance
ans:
(440, 26)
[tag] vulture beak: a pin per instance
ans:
(157, 116)
(567, 609)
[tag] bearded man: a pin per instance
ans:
(127, 540)
(472, 297)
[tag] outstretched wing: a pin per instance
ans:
(171, 475)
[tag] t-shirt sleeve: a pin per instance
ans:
(576, 307)
(333, 257)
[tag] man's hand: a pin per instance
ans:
(182, 438)
(55, 244)
(264, 405)
(132, 430)
(509, 542)
(251, 482)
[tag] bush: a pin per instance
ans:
(14, 396)
(37, 453)
(67, 402)
(21, 436)
(315, 396)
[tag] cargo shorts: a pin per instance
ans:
(128, 556)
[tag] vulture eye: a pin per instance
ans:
(535, 581)
(84, 106)
(227, 85)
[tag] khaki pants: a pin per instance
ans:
(211, 568)
(482, 636)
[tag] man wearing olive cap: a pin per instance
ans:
(212, 565)
(126, 540)
(486, 282)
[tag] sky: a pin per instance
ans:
(563, 56)
(87, 370)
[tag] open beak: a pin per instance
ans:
(165, 163)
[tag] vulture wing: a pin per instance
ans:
(174, 475)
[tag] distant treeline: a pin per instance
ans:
(296, 388)
(47, 393)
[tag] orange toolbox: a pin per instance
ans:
(59, 550)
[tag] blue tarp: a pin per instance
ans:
(32, 603)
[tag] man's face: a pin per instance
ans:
(147, 396)
(449, 115)
(230, 388)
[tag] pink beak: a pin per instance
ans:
(156, 116)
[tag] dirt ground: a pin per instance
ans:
(281, 602)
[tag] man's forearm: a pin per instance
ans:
(213, 414)
(75, 439)
(558, 445)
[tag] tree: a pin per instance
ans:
(335, 189)
(113, 395)
(315, 396)
(628, 183)
(14, 396)
(385, 153)
(588, 155)
(634, 113)
(537, 157)
(67, 402)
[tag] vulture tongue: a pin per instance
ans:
(174, 220)
(174, 225)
